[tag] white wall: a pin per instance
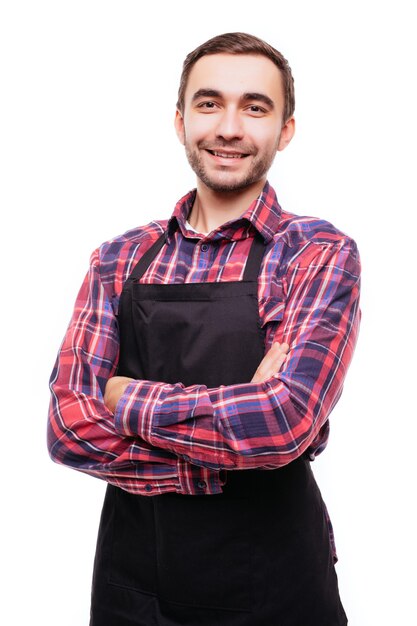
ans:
(88, 150)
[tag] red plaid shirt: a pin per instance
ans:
(173, 438)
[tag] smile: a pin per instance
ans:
(227, 155)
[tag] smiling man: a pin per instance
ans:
(197, 376)
(231, 136)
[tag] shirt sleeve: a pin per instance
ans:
(81, 432)
(271, 423)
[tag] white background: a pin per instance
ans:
(88, 150)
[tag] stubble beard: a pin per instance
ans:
(258, 169)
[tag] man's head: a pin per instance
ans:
(234, 111)
(240, 43)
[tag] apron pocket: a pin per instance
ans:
(133, 554)
(203, 551)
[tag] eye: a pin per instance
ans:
(255, 108)
(209, 104)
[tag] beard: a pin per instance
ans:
(223, 181)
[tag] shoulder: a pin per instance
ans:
(296, 230)
(305, 236)
(133, 237)
(115, 258)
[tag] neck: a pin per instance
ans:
(211, 208)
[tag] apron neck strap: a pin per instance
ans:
(256, 253)
(143, 264)
(252, 268)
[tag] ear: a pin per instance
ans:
(179, 126)
(287, 133)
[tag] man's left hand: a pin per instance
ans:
(115, 388)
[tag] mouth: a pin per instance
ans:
(227, 155)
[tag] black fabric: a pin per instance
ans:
(194, 333)
(256, 555)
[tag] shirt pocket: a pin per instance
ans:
(271, 310)
(271, 313)
(272, 307)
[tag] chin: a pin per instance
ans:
(229, 185)
(227, 188)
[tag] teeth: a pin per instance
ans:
(227, 156)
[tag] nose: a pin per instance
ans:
(229, 125)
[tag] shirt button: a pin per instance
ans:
(148, 487)
(201, 484)
(204, 247)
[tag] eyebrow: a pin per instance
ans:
(253, 95)
(260, 97)
(206, 93)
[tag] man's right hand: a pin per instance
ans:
(271, 363)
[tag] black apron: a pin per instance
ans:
(257, 554)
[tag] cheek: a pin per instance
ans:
(264, 136)
(199, 127)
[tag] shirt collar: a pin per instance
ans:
(264, 214)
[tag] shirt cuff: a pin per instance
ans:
(146, 406)
(134, 414)
(164, 415)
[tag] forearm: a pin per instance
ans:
(272, 423)
(81, 435)
(81, 432)
(218, 428)
(233, 427)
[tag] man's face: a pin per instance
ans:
(231, 125)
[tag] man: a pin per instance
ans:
(197, 376)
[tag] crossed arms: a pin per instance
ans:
(265, 423)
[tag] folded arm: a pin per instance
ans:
(81, 431)
(267, 423)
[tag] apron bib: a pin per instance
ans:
(258, 554)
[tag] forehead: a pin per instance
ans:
(236, 74)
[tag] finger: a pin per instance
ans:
(271, 363)
(275, 367)
(272, 358)
(279, 347)
(267, 363)
(279, 365)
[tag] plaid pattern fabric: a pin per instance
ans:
(171, 438)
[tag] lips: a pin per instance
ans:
(227, 155)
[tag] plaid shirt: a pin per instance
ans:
(167, 437)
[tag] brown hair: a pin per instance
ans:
(240, 43)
